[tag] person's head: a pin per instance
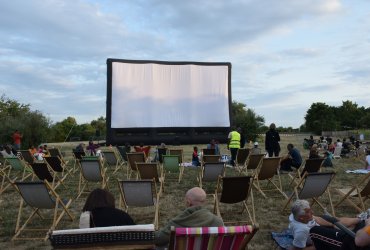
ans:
(311, 137)
(302, 211)
(256, 144)
(195, 197)
(99, 198)
(290, 146)
(163, 145)
(213, 142)
(195, 148)
(314, 147)
(91, 143)
(272, 126)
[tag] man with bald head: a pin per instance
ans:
(195, 215)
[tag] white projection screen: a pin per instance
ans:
(156, 101)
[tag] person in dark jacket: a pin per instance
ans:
(272, 141)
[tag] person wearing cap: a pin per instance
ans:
(255, 150)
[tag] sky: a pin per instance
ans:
(285, 54)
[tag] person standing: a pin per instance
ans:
(17, 137)
(272, 141)
(233, 144)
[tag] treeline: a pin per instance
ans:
(37, 128)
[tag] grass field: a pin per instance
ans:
(268, 210)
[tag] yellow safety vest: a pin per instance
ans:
(235, 140)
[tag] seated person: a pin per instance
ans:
(214, 145)
(7, 151)
(99, 211)
(80, 148)
(313, 232)
(195, 215)
(362, 238)
(314, 152)
(292, 159)
(328, 159)
(161, 149)
(92, 148)
(142, 148)
(255, 150)
(32, 150)
(195, 157)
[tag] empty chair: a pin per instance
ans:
(56, 152)
(132, 159)
(150, 171)
(210, 172)
(46, 173)
(27, 156)
(212, 238)
(211, 158)
(314, 186)
(14, 169)
(254, 161)
(140, 193)
(40, 196)
(241, 159)
(233, 190)
(171, 165)
(57, 165)
(309, 166)
(112, 159)
(177, 151)
(208, 151)
(266, 172)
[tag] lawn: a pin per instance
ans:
(268, 210)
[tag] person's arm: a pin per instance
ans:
(362, 238)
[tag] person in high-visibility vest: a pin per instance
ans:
(233, 144)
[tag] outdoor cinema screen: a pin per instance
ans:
(156, 94)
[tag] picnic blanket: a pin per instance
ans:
(283, 239)
(358, 171)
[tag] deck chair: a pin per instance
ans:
(210, 172)
(266, 172)
(177, 151)
(113, 160)
(14, 169)
(314, 185)
(150, 171)
(356, 196)
(254, 161)
(232, 190)
(139, 193)
(122, 151)
(212, 238)
(208, 151)
(161, 152)
(337, 153)
(241, 159)
(132, 159)
(309, 166)
(46, 173)
(77, 155)
(171, 165)
(92, 171)
(56, 152)
(27, 156)
(57, 165)
(211, 159)
(117, 237)
(39, 196)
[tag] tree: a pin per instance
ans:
(320, 117)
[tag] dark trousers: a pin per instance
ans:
(326, 238)
(274, 151)
(233, 152)
(287, 164)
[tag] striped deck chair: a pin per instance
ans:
(212, 238)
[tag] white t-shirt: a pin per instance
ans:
(301, 232)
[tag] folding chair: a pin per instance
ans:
(39, 196)
(171, 165)
(208, 151)
(122, 151)
(132, 159)
(14, 169)
(241, 159)
(314, 186)
(149, 171)
(267, 171)
(232, 190)
(56, 152)
(309, 166)
(212, 238)
(57, 165)
(140, 193)
(113, 160)
(355, 193)
(77, 155)
(27, 156)
(91, 171)
(254, 161)
(210, 172)
(118, 237)
(46, 173)
(177, 151)
(211, 159)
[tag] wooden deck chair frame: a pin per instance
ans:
(139, 193)
(208, 151)
(351, 194)
(27, 156)
(313, 186)
(232, 190)
(45, 173)
(212, 238)
(171, 165)
(151, 171)
(211, 159)
(92, 171)
(58, 165)
(112, 159)
(253, 163)
(39, 195)
(57, 152)
(14, 169)
(267, 171)
(132, 158)
(210, 172)
(241, 159)
(309, 166)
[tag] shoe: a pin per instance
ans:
(364, 215)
